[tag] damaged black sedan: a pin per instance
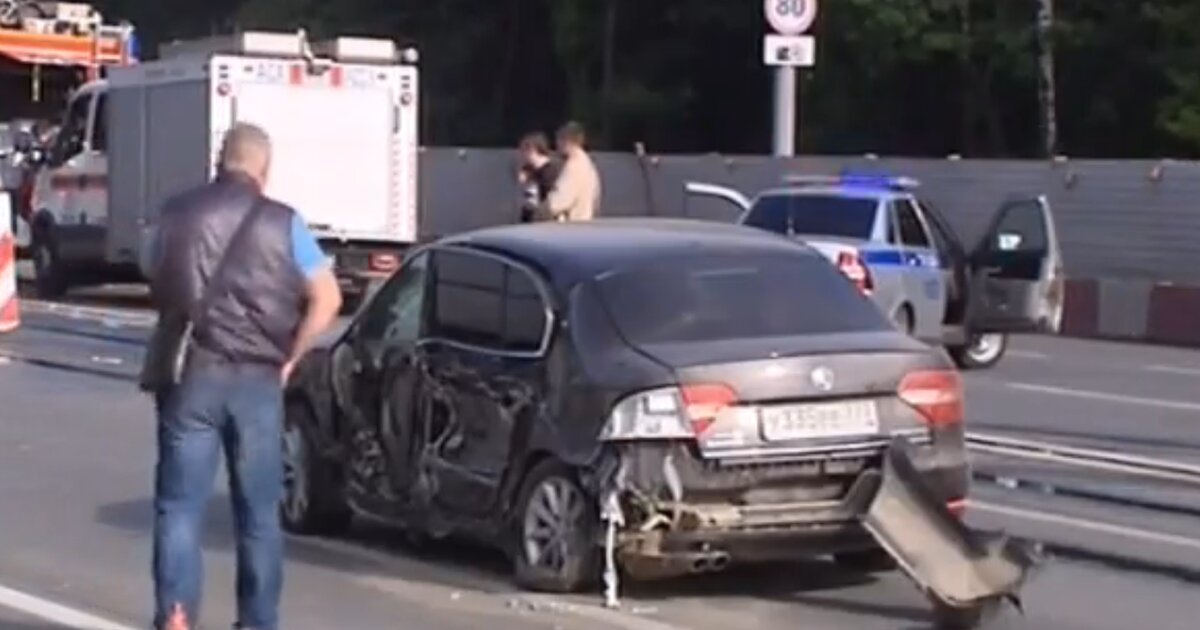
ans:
(681, 395)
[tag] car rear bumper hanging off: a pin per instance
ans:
(893, 504)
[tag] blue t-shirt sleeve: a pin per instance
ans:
(305, 250)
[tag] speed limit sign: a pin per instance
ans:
(790, 17)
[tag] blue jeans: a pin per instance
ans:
(239, 409)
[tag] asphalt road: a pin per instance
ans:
(77, 447)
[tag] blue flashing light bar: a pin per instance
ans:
(852, 179)
(869, 179)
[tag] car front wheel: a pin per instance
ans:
(313, 503)
(555, 525)
(981, 352)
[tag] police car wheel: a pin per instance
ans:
(983, 351)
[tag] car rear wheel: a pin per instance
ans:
(555, 522)
(313, 503)
(981, 352)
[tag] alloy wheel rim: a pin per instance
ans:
(295, 483)
(985, 348)
(554, 510)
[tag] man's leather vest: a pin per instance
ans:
(258, 300)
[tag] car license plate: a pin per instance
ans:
(820, 420)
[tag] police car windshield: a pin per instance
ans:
(710, 296)
(822, 215)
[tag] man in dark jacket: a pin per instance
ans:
(537, 174)
(250, 278)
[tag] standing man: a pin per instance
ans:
(537, 174)
(576, 193)
(242, 290)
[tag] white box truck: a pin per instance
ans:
(342, 116)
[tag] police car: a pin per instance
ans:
(897, 248)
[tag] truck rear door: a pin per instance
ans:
(342, 135)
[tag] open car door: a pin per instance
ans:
(736, 201)
(1017, 271)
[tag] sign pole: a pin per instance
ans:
(785, 112)
(787, 50)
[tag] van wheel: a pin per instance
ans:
(50, 279)
(313, 502)
(981, 352)
(555, 531)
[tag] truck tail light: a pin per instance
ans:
(851, 264)
(936, 394)
(383, 262)
(668, 413)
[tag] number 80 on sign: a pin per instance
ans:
(790, 17)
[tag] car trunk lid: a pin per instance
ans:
(800, 395)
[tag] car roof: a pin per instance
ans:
(576, 251)
(854, 191)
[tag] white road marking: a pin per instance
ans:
(1096, 526)
(1119, 398)
(1171, 369)
(55, 613)
(1028, 354)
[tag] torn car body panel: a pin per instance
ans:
(686, 514)
(956, 567)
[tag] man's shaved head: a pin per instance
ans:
(246, 149)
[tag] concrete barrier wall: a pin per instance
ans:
(1130, 230)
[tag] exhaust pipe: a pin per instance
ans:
(710, 562)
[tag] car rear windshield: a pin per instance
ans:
(824, 215)
(703, 298)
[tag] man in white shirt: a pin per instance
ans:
(576, 193)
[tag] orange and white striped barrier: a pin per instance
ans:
(10, 316)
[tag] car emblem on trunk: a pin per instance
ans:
(822, 379)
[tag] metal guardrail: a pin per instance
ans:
(1090, 458)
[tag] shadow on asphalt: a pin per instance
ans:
(117, 296)
(458, 564)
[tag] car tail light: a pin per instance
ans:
(669, 413)
(380, 261)
(704, 402)
(937, 394)
(851, 264)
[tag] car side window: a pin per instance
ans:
(395, 312)
(1021, 228)
(912, 233)
(945, 241)
(525, 318)
(468, 299)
